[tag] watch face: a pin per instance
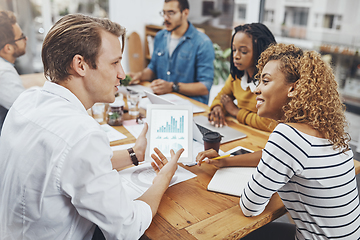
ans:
(175, 87)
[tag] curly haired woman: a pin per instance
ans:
(247, 43)
(307, 159)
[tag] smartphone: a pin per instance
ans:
(240, 151)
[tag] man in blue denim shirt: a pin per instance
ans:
(183, 57)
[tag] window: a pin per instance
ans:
(328, 21)
(332, 21)
(227, 7)
(242, 12)
(269, 16)
(207, 8)
(300, 17)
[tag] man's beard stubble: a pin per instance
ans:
(19, 52)
(176, 27)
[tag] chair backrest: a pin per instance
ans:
(136, 54)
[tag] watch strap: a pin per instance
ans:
(133, 156)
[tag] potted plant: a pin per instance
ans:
(221, 64)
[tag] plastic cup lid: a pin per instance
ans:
(212, 137)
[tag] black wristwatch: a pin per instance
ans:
(133, 156)
(175, 87)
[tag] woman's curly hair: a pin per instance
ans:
(316, 100)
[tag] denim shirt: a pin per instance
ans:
(191, 61)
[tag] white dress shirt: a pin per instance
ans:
(56, 177)
(10, 87)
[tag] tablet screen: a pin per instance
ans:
(170, 128)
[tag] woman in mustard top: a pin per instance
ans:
(247, 43)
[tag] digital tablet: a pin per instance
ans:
(170, 127)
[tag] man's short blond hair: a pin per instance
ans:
(71, 35)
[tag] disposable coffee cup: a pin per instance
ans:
(212, 140)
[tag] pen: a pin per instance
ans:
(219, 157)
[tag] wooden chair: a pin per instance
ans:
(136, 54)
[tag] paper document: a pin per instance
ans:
(133, 127)
(140, 89)
(112, 134)
(136, 180)
(181, 101)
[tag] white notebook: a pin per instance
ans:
(231, 180)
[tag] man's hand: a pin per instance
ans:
(229, 105)
(165, 171)
(217, 117)
(140, 144)
(160, 86)
(162, 165)
(135, 78)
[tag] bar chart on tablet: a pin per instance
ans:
(170, 130)
(173, 126)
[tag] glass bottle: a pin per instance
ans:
(115, 112)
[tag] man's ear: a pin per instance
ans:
(78, 65)
(291, 91)
(186, 12)
(8, 49)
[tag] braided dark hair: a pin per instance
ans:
(261, 39)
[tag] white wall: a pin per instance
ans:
(252, 11)
(134, 15)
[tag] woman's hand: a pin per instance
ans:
(217, 117)
(206, 156)
(228, 104)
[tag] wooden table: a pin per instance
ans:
(188, 211)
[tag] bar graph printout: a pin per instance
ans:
(170, 130)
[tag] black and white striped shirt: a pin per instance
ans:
(316, 184)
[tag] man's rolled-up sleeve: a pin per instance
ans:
(96, 190)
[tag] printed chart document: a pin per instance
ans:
(232, 180)
(136, 180)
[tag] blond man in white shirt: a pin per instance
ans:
(57, 177)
